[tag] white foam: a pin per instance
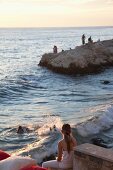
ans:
(48, 123)
(97, 123)
(40, 149)
(47, 144)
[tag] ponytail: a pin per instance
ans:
(67, 140)
(66, 131)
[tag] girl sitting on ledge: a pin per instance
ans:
(65, 151)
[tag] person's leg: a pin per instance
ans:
(51, 164)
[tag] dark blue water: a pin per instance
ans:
(37, 98)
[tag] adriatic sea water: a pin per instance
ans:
(36, 98)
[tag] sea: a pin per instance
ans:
(37, 99)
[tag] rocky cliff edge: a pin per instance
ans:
(88, 58)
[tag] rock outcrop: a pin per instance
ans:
(89, 58)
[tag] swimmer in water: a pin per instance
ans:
(23, 129)
(20, 130)
(54, 127)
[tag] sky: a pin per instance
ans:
(56, 13)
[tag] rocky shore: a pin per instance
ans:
(84, 59)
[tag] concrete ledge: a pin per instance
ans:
(92, 157)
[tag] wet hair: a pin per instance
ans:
(20, 130)
(66, 129)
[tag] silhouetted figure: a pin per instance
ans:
(55, 49)
(54, 127)
(83, 39)
(90, 40)
(20, 130)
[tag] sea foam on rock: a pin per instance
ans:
(89, 58)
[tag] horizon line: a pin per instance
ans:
(56, 27)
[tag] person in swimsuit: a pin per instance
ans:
(65, 150)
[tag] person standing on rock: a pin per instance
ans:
(83, 39)
(55, 49)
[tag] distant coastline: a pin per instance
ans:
(72, 27)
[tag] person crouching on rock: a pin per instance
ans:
(90, 40)
(55, 49)
(65, 151)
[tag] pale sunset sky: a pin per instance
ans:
(56, 13)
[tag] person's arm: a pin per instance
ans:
(59, 158)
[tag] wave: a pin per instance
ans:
(19, 86)
(46, 142)
(97, 124)
(41, 149)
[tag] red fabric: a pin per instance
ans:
(3, 155)
(33, 168)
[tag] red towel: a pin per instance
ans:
(33, 168)
(3, 155)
